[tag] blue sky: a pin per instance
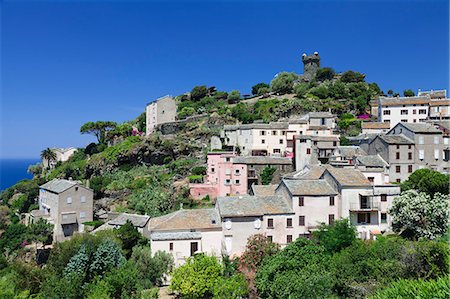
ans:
(68, 62)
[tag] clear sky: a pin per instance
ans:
(68, 62)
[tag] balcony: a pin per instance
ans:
(365, 206)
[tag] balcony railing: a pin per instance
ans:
(365, 206)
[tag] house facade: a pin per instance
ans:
(313, 150)
(67, 205)
(62, 155)
(161, 111)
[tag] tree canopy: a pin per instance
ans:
(428, 181)
(99, 129)
(284, 83)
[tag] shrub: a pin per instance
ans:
(234, 287)
(234, 96)
(256, 89)
(336, 236)
(412, 289)
(326, 73)
(199, 170)
(352, 77)
(196, 278)
(283, 83)
(199, 92)
(267, 175)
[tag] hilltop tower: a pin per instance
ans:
(311, 64)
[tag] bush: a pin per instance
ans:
(256, 89)
(428, 181)
(234, 96)
(336, 236)
(234, 287)
(352, 77)
(196, 278)
(199, 92)
(412, 289)
(326, 73)
(267, 175)
(199, 170)
(284, 83)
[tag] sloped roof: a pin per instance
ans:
(420, 127)
(186, 219)
(137, 220)
(440, 103)
(309, 187)
(320, 115)
(396, 139)
(239, 206)
(375, 125)
(371, 161)
(350, 151)
(434, 93)
(398, 101)
(348, 177)
(59, 186)
(166, 236)
(262, 160)
(264, 190)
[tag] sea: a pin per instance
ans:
(14, 170)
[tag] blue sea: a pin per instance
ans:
(14, 170)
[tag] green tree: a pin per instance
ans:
(234, 287)
(408, 93)
(298, 271)
(390, 92)
(336, 236)
(428, 181)
(267, 175)
(199, 92)
(324, 74)
(258, 247)
(99, 129)
(352, 77)
(197, 277)
(129, 236)
(419, 215)
(124, 281)
(35, 169)
(151, 268)
(107, 256)
(301, 89)
(412, 289)
(49, 156)
(234, 96)
(256, 88)
(41, 231)
(283, 83)
(13, 237)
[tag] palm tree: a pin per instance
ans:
(49, 155)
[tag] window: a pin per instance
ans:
(274, 133)
(301, 220)
(281, 141)
(289, 239)
(421, 140)
(270, 238)
(404, 120)
(276, 151)
(410, 168)
(331, 200)
(308, 151)
(383, 217)
(371, 179)
(386, 121)
(237, 171)
(386, 112)
(410, 146)
(409, 156)
(436, 154)
(227, 182)
(83, 198)
(397, 155)
(170, 246)
(194, 247)
(436, 139)
(263, 141)
(227, 171)
(422, 111)
(262, 133)
(397, 169)
(383, 197)
(289, 222)
(397, 146)
(334, 143)
(69, 200)
(227, 159)
(414, 111)
(237, 182)
(446, 141)
(404, 112)
(82, 214)
(301, 201)
(76, 188)
(363, 218)
(421, 154)
(270, 223)
(414, 120)
(330, 219)
(398, 180)
(213, 170)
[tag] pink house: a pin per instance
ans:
(223, 178)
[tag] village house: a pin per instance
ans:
(117, 220)
(276, 138)
(411, 146)
(186, 232)
(67, 205)
(161, 111)
(313, 150)
(345, 155)
(375, 127)
(62, 155)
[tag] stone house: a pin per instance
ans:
(313, 150)
(161, 111)
(186, 232)
(375, 127)
(62, 155)
(67, 205)
(116, 220)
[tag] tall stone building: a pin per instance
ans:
(311, 64)
(161, 111)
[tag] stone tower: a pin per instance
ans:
(311, 64)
